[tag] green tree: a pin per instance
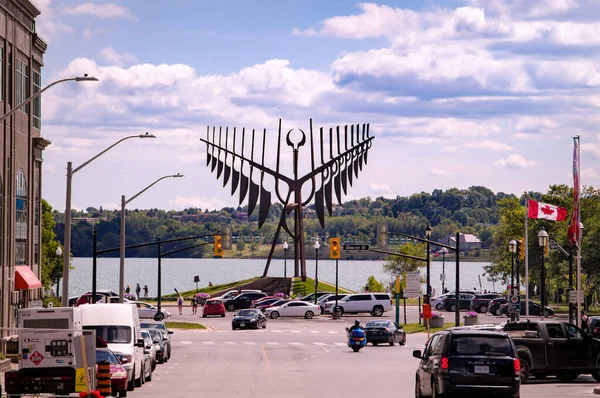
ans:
(240, 245)
(373, 285)
(51, 265)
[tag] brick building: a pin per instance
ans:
(21, 61)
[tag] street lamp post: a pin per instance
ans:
(580, 240)
(67, 240)
(512, 248)
(428, 235)
(444, 251)
(543, 241)
(285, 247)
(58, 254)
(124, 203)
(316, 268)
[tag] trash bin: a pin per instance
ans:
(337, 314)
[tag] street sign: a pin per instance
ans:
(413, 285)
(36, 304)
(515, 304)
(398, 284)
(426, 311)
(355, 247)
(442, 277)
(573, 296)
(553, 245)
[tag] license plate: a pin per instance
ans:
(482, 369)
(242, 325)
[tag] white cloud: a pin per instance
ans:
(112, 56)
(88, 33)
(106, 10)
(491, 145)
(592, 149)
(437, 172)
(515, 161)
(378, 189)
(48, 25)
(589, 174)
(180, 203)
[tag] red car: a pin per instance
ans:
(271, 304)
(213, 307)
(118, 374)
(260, 300)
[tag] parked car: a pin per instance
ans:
(159, 344)
(263, 301)
(249, 318)
(118, 374)
(243, 301)
(384, 331)
(449, 303)
(494, 306)
(311, 297)
(294, 308)
(102, 296)
(330, 297)
(465, 362)
(233, 293)
(481, 302)
(213, 307)
(374, 303)
(160, 325)
(437, 301)
(534, 309)
(594, 326)
(277, 303)
(149, 311)
(147, 368)
(150, 348)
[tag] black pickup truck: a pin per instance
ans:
(554, 348)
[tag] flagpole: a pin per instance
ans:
(526, 243)
(578, 317)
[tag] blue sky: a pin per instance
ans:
(458, 93)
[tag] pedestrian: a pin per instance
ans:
(128, 289)
(210, 284)
(145, 291)
(434, 292)
(585, 326)
(138, 289)
(194, 305)
(446, 290)
(180, 303)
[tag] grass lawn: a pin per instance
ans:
(184, 325)
(308, 287)
(418, 328)
(211, 289)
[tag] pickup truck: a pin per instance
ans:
(554, 348)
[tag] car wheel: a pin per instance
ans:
(230, 307)
(140, 380)
(567, 377)
(160, 316)
(143, 376)
(162, 360)
(438, 306)
(264, 325)
(274, 315)
(453, 308)
(131, 383)
(417, 388)
(525, 371)
(403, 342)
(203, 315)
(322, 310)
(392, 342)
(233, 328)
(434, 391)
(123, 393)
(149, 378)
(222, 315)
(377, 311)
(483, 309)
(341, 311)
(309, 315)
(375, 344)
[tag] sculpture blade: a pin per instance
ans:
(226, 175)
(253, 197)
(356, 169)
(338, 188)
(360, 160)
(235, 180)
(208, 159)
(329, 198)
(349, 172)
(221, 164)
(265, 205)
(214, 164)
(243, 188)
(320, 206)
(344, 182)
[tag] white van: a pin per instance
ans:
(119, 325)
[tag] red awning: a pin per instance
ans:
(25, 279)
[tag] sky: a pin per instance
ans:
(456, 93)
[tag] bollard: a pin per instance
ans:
(104, 386)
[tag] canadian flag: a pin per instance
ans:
(546, 211)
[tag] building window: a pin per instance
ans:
(22, 84)
(37, 102)
(21, 224)
(36, 217)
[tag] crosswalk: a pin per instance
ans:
(266, 343)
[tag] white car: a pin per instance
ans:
(374, 303)
(294, 308)
(146, 311)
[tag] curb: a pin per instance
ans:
(597, 390)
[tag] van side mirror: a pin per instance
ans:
(170, 332)
(417, 354)
(140, 343)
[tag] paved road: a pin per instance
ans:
(298, 358)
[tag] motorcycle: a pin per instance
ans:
(357, 339)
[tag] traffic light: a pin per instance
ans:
(218, 246)
(521, 249)
(334, 248)
(226, 236)
(382, 235)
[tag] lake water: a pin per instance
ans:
(179, 273)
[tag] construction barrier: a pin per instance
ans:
(103, 380)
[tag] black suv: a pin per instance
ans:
(468, 362)
(243, 301)
(495, 304)
(449, 303)
(481, 302)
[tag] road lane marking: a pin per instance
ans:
(185, 342)
(320, 344)
(315, 331)
(294, 343)
(332, 332)
(341, 344)
(230, 343)
(267, 364)
(277, 331)
(295, 331)
(208, 342)
(272, 343)
(250, 343)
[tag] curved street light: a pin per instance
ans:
(542, 241)
(317, 246)
(67, 243)
(122, 237)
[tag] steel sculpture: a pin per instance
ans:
(228, 156)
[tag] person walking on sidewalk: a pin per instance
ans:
(138, 289)
(145, 291)
(180, 303)
(194, 305)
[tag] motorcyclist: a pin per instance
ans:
(356, 326)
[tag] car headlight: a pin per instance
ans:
(118, 375)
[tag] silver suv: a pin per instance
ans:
(374, 303)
